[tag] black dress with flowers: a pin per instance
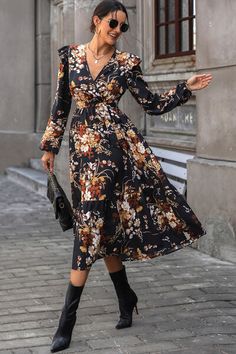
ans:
(123, 203)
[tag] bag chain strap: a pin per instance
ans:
(50, 175)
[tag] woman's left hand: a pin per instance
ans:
(198, 82)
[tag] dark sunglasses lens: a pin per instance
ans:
(124, 27)
(113, 23)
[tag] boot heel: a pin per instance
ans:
(126, 297)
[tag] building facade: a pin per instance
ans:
(175, 39)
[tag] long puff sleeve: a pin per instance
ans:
(52, 137)
(153, 103)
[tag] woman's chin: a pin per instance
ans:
(112, 40)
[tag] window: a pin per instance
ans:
(175, 28)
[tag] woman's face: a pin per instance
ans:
(110, 35)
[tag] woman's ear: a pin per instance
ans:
(96, 20)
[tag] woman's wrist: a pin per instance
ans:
(187, 85)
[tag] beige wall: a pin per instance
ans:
(216, 52)
(20, 75)
(211, 177)
(17, 65)
(42, 64)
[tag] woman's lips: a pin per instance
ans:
(113, 36)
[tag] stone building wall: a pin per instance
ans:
(212, 175)
(25, 79)
(17, 80)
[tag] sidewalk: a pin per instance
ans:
(187, 300)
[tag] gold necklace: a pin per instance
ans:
(94, 55)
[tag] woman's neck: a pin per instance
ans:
(99, 47)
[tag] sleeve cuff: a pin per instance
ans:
(49, 148)
(183, 92)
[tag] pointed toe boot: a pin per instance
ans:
(126, 297)
(62, 337)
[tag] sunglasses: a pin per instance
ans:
(113, 23)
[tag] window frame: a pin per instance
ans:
(177, 22)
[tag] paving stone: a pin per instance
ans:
(206, 340)
(114, 342)
(22, 351)
(26, 342)
(160, 346)
(227, 349)
(226, 329)
(197, 350)
(27, 317)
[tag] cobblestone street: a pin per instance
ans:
(187, 300)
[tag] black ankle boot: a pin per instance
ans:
(126, 297)
(62, 337)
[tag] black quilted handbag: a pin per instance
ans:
(61, 205)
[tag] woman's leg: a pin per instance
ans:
(62, 337)
(78, 277)
(126, 296)
(113, 263)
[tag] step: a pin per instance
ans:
(36, 164)
(29, 178)
(227, 253)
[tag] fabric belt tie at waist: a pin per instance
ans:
(117, 118)
(94, 102)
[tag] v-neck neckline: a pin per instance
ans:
(104, 66)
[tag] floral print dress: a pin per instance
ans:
(123, 203)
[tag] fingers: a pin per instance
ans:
(48, 162)
(205, 79)
(45, 165)
(203, 75)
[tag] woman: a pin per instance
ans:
(124, 207)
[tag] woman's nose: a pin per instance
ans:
(118, 30)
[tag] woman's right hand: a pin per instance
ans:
(48, 161)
